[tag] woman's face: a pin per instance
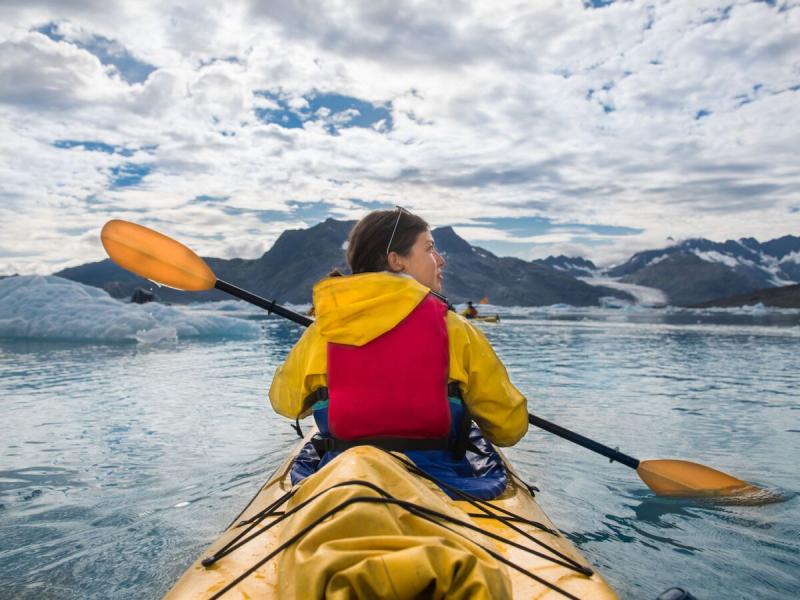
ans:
(423, 262)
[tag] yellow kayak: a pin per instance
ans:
(487, 318)
(367, 525)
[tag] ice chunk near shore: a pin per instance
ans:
(156, 334)
(53, 308)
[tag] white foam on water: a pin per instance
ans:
(49, 307)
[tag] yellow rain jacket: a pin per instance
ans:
(356, 309)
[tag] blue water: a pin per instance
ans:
(121, 462)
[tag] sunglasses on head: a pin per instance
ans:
(400, 211)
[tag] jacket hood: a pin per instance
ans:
(355, 309)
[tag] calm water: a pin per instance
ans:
(121, 462)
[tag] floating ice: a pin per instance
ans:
(669, 316)
(49, 307)
(156, 334)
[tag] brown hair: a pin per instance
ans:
(369, 239)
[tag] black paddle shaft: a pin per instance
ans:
(609, 453)
(269, 305)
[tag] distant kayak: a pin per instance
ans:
(369, 525)
(487, 319)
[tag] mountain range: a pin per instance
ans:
(301, 257)
(700, 271)
(692, 272)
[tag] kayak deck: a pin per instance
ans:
(558, 568)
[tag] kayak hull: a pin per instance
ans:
(487, 319)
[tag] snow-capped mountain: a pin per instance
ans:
(574, 265)
(699, 270)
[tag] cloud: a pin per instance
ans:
(38, 74)
(108, 52)
(600, 127)
(449, 33)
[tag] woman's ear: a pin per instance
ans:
(395, 261)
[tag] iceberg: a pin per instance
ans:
(53, 308)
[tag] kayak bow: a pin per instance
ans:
(369, 524)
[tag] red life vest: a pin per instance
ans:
(395, 386)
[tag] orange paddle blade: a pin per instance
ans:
(156, 257)
(683, 478)
(484, 300)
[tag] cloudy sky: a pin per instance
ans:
(593, 128)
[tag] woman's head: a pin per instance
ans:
(398, 241)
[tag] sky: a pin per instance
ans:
(588, 128)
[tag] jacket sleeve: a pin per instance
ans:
(303, 372)
(499, 409)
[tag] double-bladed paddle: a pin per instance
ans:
(165, 261)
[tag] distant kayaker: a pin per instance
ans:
(470, 312)
(386, 363)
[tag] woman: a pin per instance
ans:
(387, 363)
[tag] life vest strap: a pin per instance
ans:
(321, 394)
(392, 444)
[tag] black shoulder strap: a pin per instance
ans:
(461, 442)
(317, 395)
(444, 299)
